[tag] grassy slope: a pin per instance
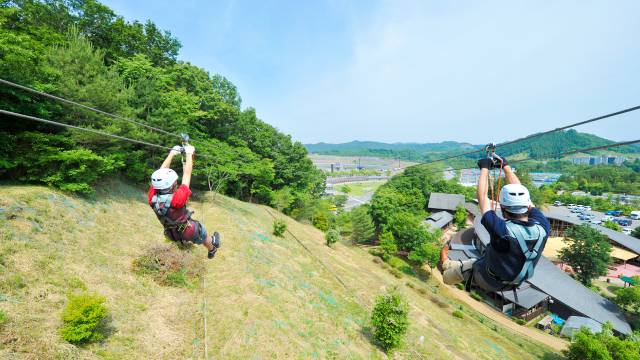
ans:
(266, 296)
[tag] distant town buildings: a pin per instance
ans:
(598, 160)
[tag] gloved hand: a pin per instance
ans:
(485, 163)
(189, 149)
(498, 158)
(176, 150)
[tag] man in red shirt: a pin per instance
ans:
(169, 202)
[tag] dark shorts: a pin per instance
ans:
(484, 280)
(198, 238)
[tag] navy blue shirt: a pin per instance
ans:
(504, 257)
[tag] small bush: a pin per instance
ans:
(332, 236)
(457, 313)
(422, 291)
(279, 227)
(410, 284)
(84, 318)
(169, 266)
(441, 304)
(376, 260)
(476, 296)
(390, 320)
(375, 252)
(521, 321)
(460, 286)
(3, 318)
(395, 273)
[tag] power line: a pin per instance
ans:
(55, 123)
(540, 133)
(70, 102)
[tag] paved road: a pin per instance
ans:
(354, 201)
(598, 215)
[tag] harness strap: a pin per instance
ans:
(523, 234)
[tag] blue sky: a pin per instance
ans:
(416, 71)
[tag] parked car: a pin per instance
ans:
(576, 210)
(557, 203)
(635, 215)
(626, 231)
(607, 218)
(613, 212)
(571, 206)
(596, 222)
(584, 217)
(587, 208)
(623, 222)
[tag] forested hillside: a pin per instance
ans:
(82, 50)
(553, 143)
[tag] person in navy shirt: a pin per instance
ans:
(516, 240)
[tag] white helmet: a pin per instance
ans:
(515, 198)
(163, 179)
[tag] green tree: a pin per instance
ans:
(390, 320)
(587, 252)
(427, 253)
(636, 232)
(629, 297)
(388, 243)
(586, 346)
(363, 229)
(345, 189)
(408, 230)
(460, 217)
(612, 225)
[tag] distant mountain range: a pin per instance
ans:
(553, 143)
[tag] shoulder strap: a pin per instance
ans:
(523, 234)
(161, 203)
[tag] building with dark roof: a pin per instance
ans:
(439, 220)
(550, 289)
(560, 222)
(446, 202)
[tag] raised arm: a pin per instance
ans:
(511, 177)
(187, 169)
(167, 162)
(483, 186)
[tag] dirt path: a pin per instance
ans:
(551, 341)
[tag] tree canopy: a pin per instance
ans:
(83, 51)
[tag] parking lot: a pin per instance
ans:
(598, 215)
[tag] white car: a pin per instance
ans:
(607, 218)
(587, 208)
(596, 222)
(626, 231)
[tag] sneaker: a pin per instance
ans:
(215, 239)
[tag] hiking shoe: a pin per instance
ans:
(215, 239)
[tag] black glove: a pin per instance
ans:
(504, 161)
(485, 163)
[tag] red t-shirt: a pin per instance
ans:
(180, 196)
(179, 200)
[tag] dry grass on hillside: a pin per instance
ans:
(266, 296)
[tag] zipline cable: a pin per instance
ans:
(55, 123)
(547, 156)
(70, 102)
(584, 122)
